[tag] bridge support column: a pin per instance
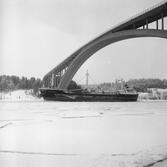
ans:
(61, 73)
(52, 80)
(57, 82)
(157, 24)
(47, 82)
(66, 69)
(162, 19)
(146, 24)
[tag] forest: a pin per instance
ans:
(141, 85)
(9, 83)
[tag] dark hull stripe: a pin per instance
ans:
(57, 95)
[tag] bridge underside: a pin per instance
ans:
(61, 75)
(109, 39)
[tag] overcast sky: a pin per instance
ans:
(36, 35)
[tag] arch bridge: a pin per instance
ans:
(135, 27)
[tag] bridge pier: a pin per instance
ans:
(157, 24)
(162, 19)
(146, 24)
(53, 79)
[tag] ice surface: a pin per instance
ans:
(82, 134)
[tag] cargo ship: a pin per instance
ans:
(86, 96)
(121, 94)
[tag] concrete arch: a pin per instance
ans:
(99, 43)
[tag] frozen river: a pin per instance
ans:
(66, 134)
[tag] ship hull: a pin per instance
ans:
(60, 95)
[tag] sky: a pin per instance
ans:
(36, 35)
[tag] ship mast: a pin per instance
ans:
(87, 79)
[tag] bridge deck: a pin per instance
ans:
(151, 14)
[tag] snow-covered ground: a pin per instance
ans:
(83, 134)
(18, 95)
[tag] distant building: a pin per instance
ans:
(156, 93)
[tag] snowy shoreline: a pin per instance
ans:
(18, 95)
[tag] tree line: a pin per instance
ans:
(141, 85)
(9, 83)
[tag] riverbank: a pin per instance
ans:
(18, 95)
